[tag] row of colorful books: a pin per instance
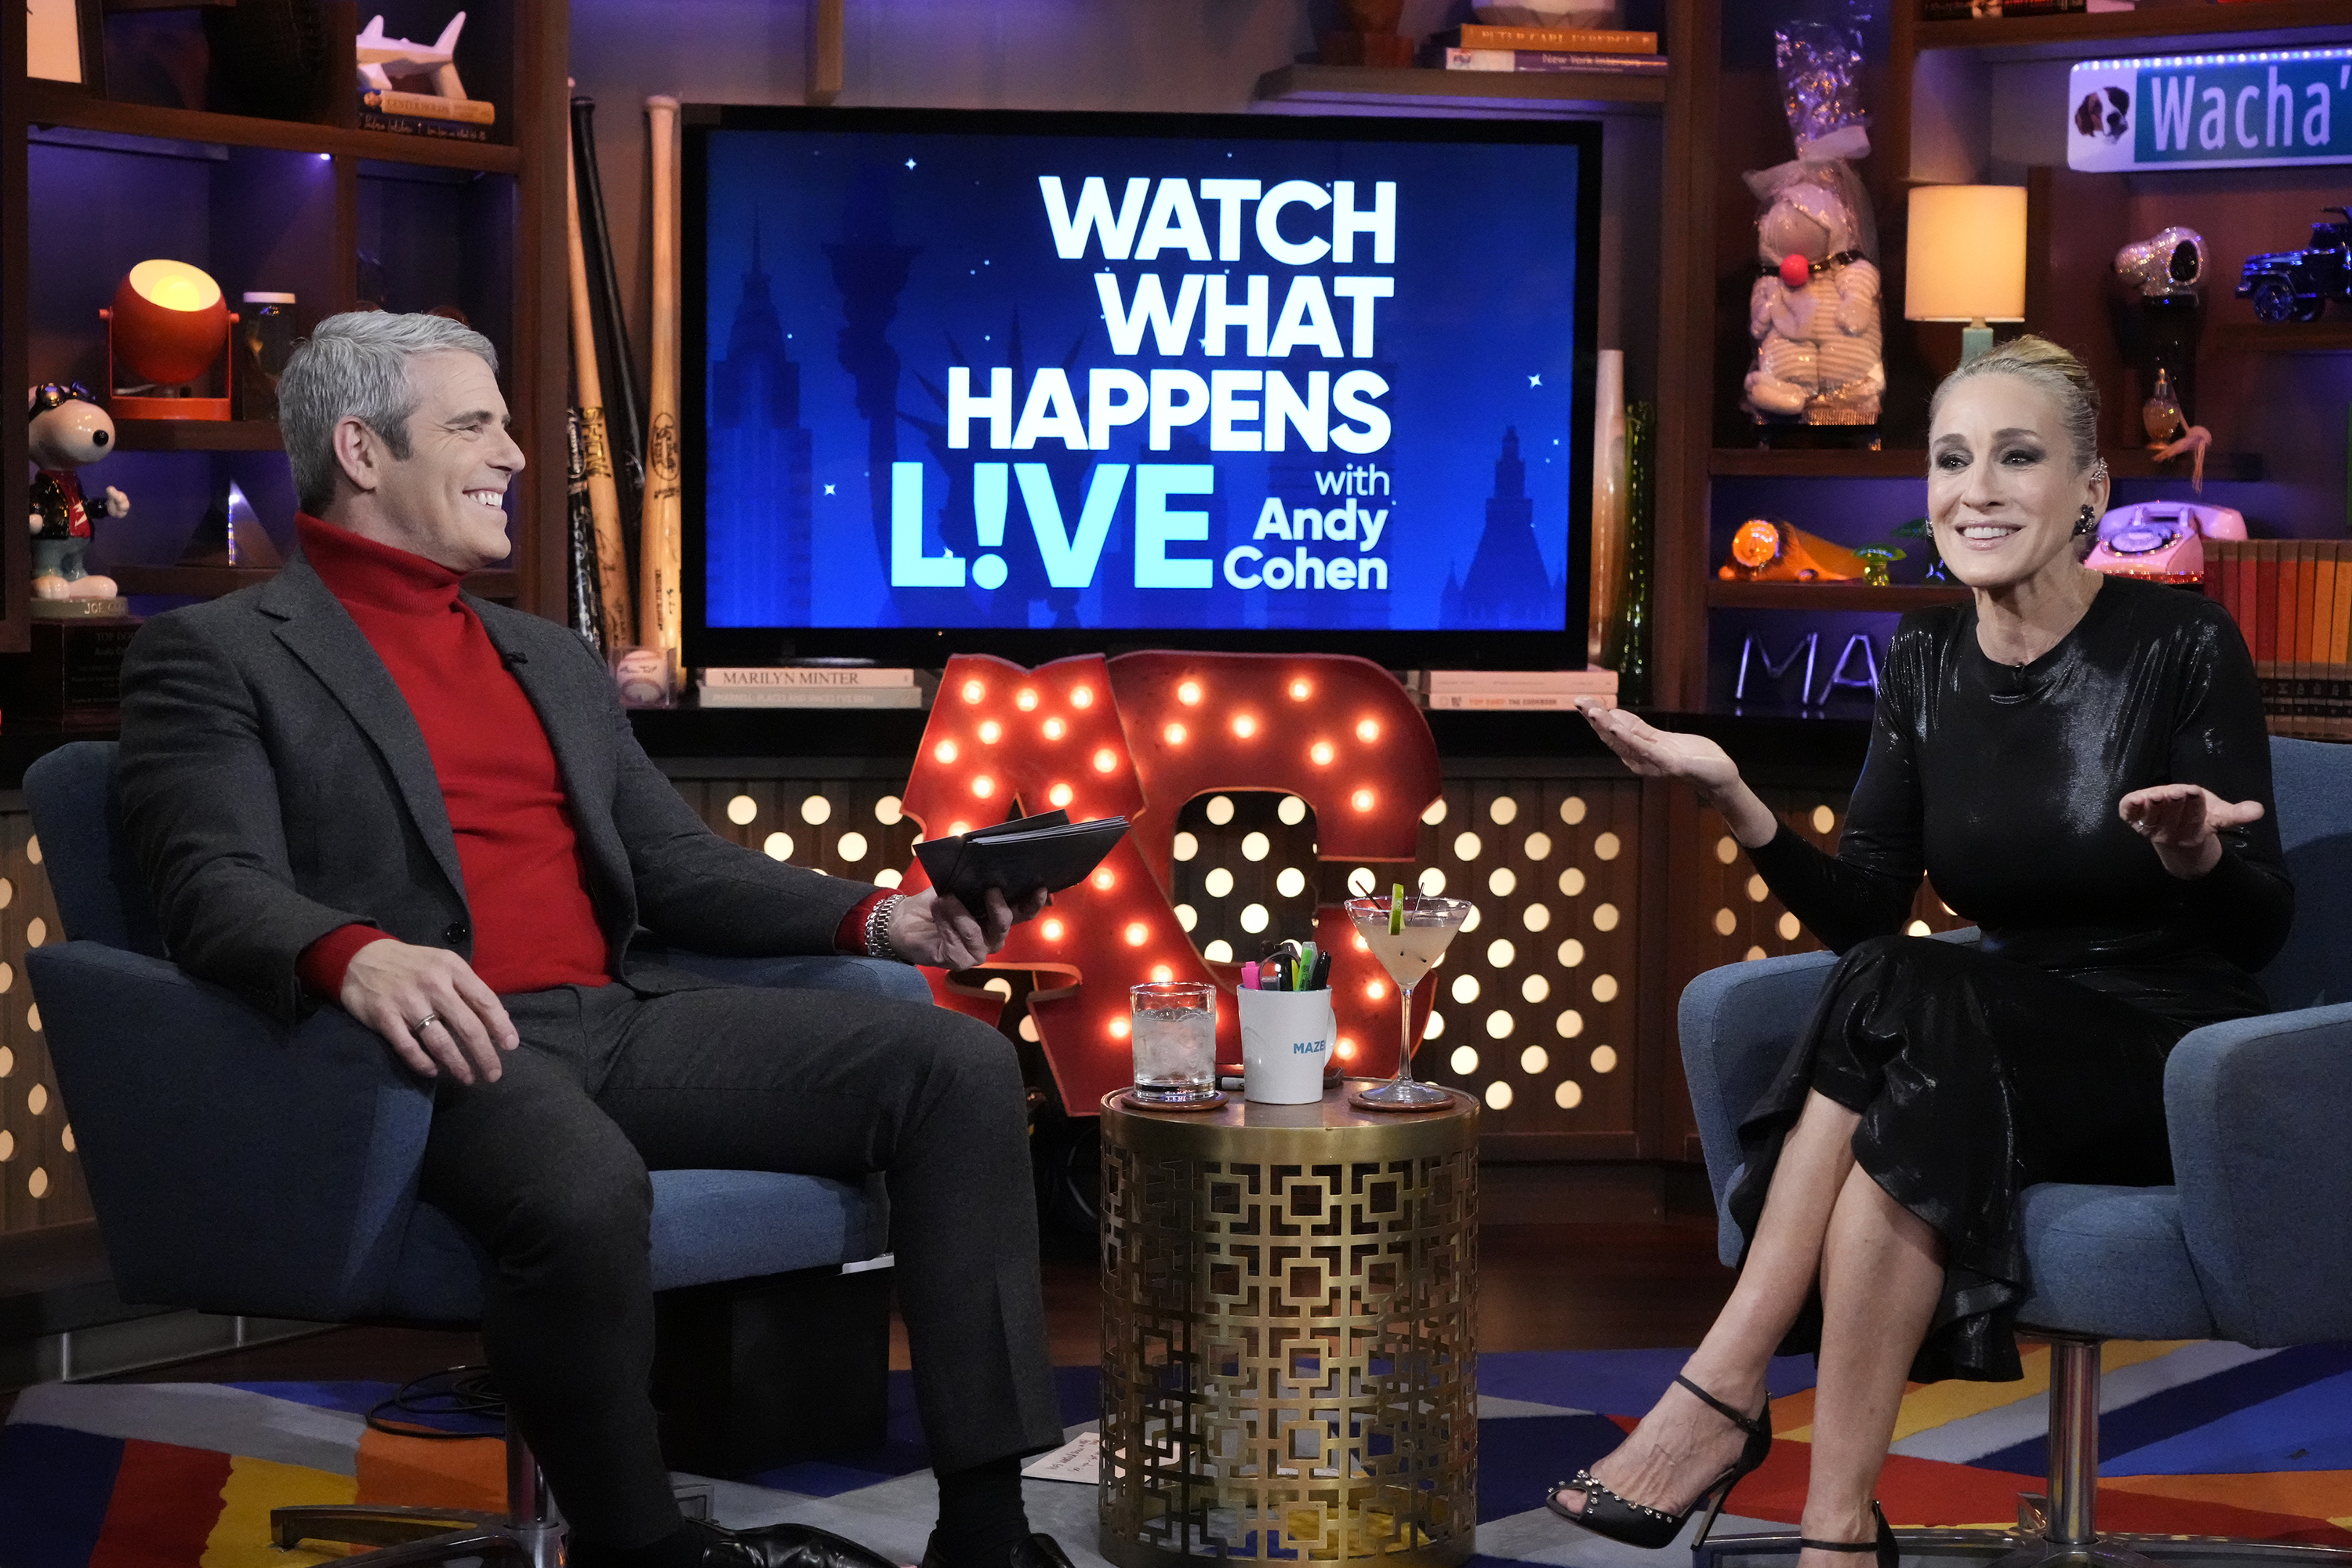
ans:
(1609, 50)
(2292, 599)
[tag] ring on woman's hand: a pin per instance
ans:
(424, 1023)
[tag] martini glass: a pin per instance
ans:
(1408, 937)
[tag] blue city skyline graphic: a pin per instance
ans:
(918, 414)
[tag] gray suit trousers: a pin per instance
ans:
(547, 1167)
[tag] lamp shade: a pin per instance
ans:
(1967, 261)
(170, 321)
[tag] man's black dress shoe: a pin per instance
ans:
(1039, 1551)
(789, 1546)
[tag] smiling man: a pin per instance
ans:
(358, 785)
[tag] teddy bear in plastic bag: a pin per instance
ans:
(1813, 311)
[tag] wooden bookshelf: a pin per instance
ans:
(1830, 597)
(198, 435)
(53, 103)
(2253, 19)
(2331, 337)
(1420, 88)
(1911, 463)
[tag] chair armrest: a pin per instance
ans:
(1736, 1025)
(236, 1165)
(868, 976)
(2257, 1109)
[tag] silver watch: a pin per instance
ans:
(877, 929)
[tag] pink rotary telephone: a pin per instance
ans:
(2162, 540)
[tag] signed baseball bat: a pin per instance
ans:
(660, 613)
(604, 498)
(624, 424)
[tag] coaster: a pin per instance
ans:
(1216, 1098)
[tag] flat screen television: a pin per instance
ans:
(1035, 385)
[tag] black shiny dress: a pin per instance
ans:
(2037, 1053)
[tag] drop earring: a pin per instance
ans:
(2083, 523)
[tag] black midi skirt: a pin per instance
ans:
(1976, 1077)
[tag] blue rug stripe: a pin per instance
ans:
(1615, 1383)
(1519, 1457)
(351, 1398)
(2181, 1410)
(2307, 1428)
(54, 1488)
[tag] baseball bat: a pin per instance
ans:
(583, 603)
(660, 615)
(625, 402)
(603, 499)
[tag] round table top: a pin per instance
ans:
(1330, 1129)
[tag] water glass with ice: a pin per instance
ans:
(1175, 1038)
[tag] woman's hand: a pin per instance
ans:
(2182, 821)
(1694, 760)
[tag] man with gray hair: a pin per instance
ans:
(359, 785)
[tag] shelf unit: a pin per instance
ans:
(488, 217)
(1420, 89)
(1833, 598)
(1727, 119)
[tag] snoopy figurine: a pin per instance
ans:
(66, 432)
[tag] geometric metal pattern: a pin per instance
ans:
(1289, 1303)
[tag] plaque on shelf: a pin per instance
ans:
(73, 674)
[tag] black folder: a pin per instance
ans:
(1046, 851)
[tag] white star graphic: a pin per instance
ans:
(1534, 381)
(828, 490)
(911, 163)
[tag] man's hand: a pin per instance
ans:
(934, 928)
(2180, 822)
(392, 986)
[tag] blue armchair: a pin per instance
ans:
(2253, 1244)
(238, 1167)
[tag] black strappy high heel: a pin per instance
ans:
(1636, 1524)
(1889, 1555)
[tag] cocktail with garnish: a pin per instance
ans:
(1408, 933)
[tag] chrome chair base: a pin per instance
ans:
(2026, 1549)
(414, 1537)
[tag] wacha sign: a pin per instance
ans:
(2250, 110)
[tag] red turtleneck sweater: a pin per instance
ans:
(534, 927)
(525, 892)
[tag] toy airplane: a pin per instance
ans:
(437, 59)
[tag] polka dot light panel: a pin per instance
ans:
(1140, 736)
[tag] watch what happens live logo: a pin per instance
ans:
(1264, 403)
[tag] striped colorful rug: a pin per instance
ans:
(2200, 1438)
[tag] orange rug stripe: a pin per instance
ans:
(2313, 1494)
(425, 1473)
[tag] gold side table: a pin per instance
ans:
(1289, 1306)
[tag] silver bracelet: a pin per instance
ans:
(878, 931)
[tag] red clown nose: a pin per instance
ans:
(1796, 272)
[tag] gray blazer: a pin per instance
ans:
(275, 786)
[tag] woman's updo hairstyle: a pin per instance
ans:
(2053, 369)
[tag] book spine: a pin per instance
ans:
(1552, 61)
(1591, 40)
(1514, 701)
(407, 125)
(871, 697)
(2339, 632)
(1570, 682)
(2266, 583)
(826, 678)
(425, 106)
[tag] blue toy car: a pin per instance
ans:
(2296, 285)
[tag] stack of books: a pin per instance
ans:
(1474, 48)
(2292, 600)
(426, 114)
(1510, 690)
(812, 686)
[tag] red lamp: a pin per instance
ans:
(168, 325)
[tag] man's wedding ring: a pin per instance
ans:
(424, 1023)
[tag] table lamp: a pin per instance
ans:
(1967, 260)
(167, 325)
